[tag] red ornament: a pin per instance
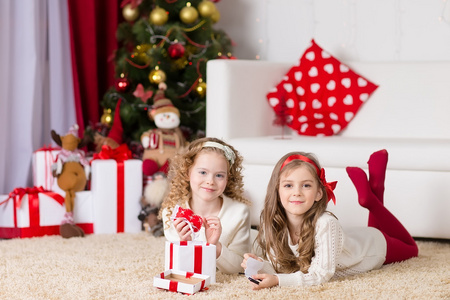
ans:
(141, 93)
(195, 220)
(176, 50)
(122, 85)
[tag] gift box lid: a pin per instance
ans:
(181, 281)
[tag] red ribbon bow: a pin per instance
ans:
(119, 154)
(48, 148)
(329, 186)
(22, 192)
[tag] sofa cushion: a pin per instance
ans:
(340, 152)
(320, 95)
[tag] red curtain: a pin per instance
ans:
(93, 25)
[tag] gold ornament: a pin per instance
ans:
(140, 53)
(215, 17)
(159, 16)
(106, 118)
(157, 76)
(206, 8)
(181, 63)
(201, 88)
(130, 14)
(188, 14)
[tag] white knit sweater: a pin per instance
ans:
(337, 253)
(235, 238)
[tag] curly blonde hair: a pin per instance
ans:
(180, 165)
(273, 235)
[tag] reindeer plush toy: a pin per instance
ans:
(71, 170)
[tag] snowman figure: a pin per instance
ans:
(163, 142)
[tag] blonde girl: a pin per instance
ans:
(303, 244)
(206, 178)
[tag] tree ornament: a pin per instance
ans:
(129, 13)
(140, 92)
(231, 56)
(201, 88)
(106, 118)
(159, 16)
(215, 17)
(176, 50)
(122, 84)
(157, 76)
(206, 8)
(181, 63)
(141, 53)
(188, 14)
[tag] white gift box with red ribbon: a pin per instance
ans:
(191, 256)
(42, 161)
(116, 192)
(31, 212)
(181, 281)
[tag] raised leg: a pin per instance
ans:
(400, 244)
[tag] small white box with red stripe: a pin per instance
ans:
(181, 281)
(192, 256)
(42, 161)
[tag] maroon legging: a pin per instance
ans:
(400, 244)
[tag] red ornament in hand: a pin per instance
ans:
(195, 220)
(176, 50)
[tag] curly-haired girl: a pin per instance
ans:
(206, 178)
(305, 245)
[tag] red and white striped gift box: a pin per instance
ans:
(192, 256)
(181, 281)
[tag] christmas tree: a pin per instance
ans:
(166, 41)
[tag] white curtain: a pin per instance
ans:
(36, 88)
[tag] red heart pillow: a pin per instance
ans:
(320, 95)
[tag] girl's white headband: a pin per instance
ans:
(229, 154)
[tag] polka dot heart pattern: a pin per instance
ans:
(320, 95)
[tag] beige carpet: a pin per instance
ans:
(122, 266)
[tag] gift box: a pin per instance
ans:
(83, 214)
(42, 161)
(32, 212)
(116, 186)
(191, 256)
(181, 281)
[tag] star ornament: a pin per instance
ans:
(141, 93)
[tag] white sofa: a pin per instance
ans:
(408, 115)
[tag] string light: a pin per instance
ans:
(262, 24)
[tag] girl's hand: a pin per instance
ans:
(213, 229)
(183, 229)
(267, 281)
(246, 256)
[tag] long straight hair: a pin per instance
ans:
(273, 236)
